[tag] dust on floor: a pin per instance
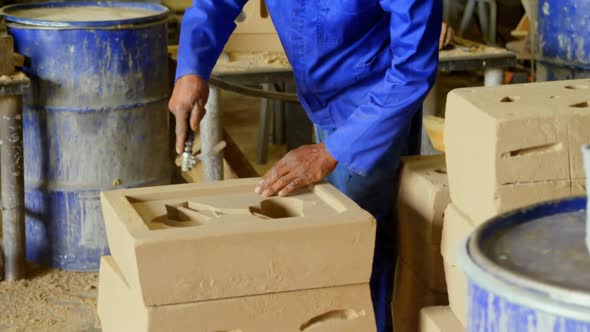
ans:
(49, 300)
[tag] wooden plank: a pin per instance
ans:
(254, 42)
(435, 127)
(236, 159)
(6, 55)
(257, 19)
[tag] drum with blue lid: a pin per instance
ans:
(95, 119)
(529, 270)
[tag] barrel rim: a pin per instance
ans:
(516, 287)
(160, 13)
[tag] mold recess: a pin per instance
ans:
(509, 99)
(346, 315)
(534, 150)
(278, 208)
(189, 214)
(583, 104)
(576, 87)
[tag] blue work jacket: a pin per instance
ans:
(361, 66)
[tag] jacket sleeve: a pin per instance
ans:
(205, 29)
(374, 127)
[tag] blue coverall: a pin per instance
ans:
(362, 68)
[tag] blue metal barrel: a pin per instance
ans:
(95, 119)
(529, 271)
(563, 41)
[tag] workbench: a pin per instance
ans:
(234, 72)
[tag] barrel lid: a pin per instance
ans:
(83, 14)
(537, 253)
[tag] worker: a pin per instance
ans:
(362, 68)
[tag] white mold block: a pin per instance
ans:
(456, 229)
(439, 319)
(457, 290)
(513, 135)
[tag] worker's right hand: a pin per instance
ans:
(188, 102)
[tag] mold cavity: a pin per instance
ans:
(583, 104)
(553, 97)
(182, 212)
(278, 208)
(533, 150)
(347, 314)
(182, 215)
(509, 99)
(576, 87)
(441, 171)
(191, 214)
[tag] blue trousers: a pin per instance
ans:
(375, 193)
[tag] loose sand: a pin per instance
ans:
(50, 300)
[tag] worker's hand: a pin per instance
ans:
(446, 36)
(301, 167)
(188, 101)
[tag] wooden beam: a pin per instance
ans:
(236, 159)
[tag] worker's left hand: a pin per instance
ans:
(301, 167)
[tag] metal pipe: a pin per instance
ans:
(467, 15)
(493, 76)
(211, 135)
(244, 90)
(263, 128)
(13, 194)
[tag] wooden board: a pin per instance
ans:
(435, 127)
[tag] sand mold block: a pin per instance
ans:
(423, 196)
(500, 138)
(186, 243)
(333, 309)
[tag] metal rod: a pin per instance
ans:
(13, 197)
(263, 128)
(244, 90)
(211, 135)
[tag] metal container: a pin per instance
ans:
(563, 41)
(530, 271)
(95, 119)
